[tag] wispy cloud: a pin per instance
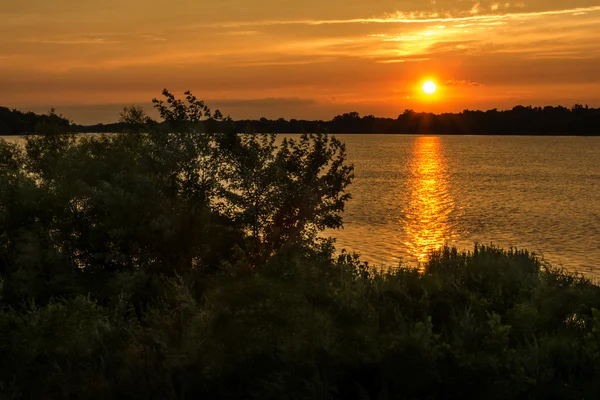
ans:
(561, 55)
(79, 41)
(152, 38)
(265, 102)
(392, 61)
(462, 82)
(241, 33)
(415, 18)
(263, 63)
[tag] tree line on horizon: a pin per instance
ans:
(15, 122)
(528, 120)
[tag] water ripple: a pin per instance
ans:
(415, 193)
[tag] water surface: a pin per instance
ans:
(412, 194)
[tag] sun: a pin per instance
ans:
(429, 87)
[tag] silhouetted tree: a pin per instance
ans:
(528, 120)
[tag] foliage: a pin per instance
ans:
(520, 120)
(14, 122)
(306, 325)
(181, 261)
(165, 200)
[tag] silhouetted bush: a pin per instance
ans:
(183, 262)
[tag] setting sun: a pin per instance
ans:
(429, 87)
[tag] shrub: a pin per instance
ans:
(180, 262)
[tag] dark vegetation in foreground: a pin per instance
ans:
(577, 120)
(172, 264)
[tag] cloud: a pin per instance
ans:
(392, 61)
(79, 41)
(281, 63)
(416, 18)
(265, 102)
(152, 38)
(462, 82)
(241, 33)
(457, 46)
(475, 10)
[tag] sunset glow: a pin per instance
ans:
(302, 60)
(429, 87)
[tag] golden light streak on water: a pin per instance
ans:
(427, 220)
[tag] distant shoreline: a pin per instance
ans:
(520, 121)
(364, 133)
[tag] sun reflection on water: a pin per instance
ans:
(430, 205)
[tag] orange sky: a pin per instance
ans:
(310, 59)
